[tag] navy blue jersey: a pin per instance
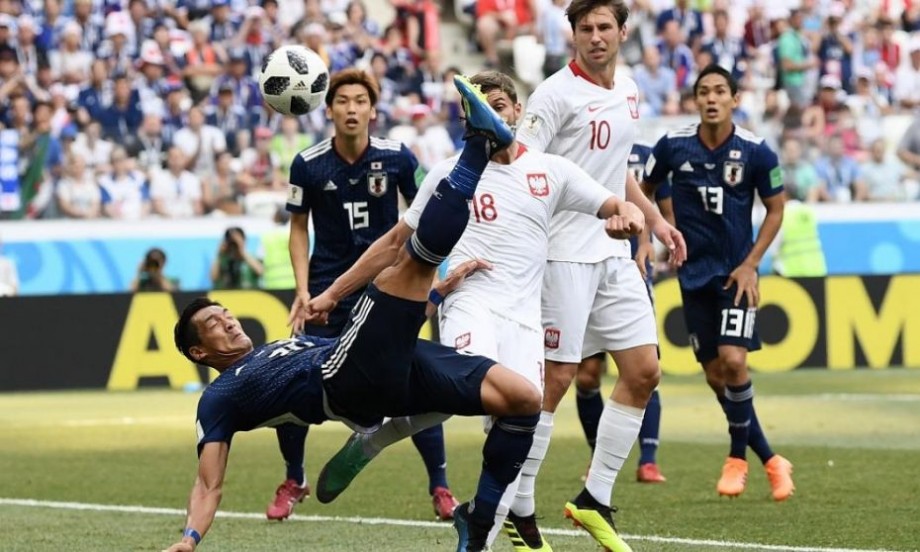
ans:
(638, 157)
(276, 383)
(713, 194)
(351, 205)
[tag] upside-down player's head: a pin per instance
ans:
(716, 94)
(499, 89)
(350, 102)
(208, 334)
(598, 27)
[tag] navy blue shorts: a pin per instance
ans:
(381, 369)
(713, 320)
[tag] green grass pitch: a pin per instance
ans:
(853, 436)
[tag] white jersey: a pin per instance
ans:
(509, 227)
(571, 116)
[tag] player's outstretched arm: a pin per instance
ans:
(661, 229)
(381, 254)
(205, 496)
(442, 288)
(299, 251)
(745, 275)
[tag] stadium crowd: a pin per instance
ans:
(135, 108)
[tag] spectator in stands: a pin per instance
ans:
(125, 194)
(123, 117)
(657, 86)
(52, 23)
(867, 105)
(358, 21)
(379, 68)
(907, 79)
(343, 50)
(150, 148)
(90, 23)
(728, 51)
(150, 83)
(221, 23)
(556, 35)
(96, 96)
(795, 60)
(821, 118)
(176, 192)
(200, 143)
(256, 37)
(7, 29)
(287, 144)
(70, 63)
(400, 61)
(203, 61)
(800, 179)
(883, 176)
(260, 165)
(161, 37)
(431, 144)
(115, 49)
(222, 191)
(40, 154)
(9, 277)
(78, 195)
(234, 267)
(836, 49)
(757, 28)
(689, 23)
(675, 53)
(909, 148)
(28, 53)
(227, 115)
(176, 116)
(428, 81)
(890, 51)
(143, 23)
(246, 92)
(840, 173)
(501, 20)
(315, 37)
(92, 148)
(150, 273)
(910, 17)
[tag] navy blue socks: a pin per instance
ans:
(430, 445)
(648, 433)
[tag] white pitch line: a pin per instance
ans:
(31, 503)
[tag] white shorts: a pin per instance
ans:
(591, 308)
(466, 325)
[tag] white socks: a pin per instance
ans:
(397, 429)
(519, 495)
(616, 433)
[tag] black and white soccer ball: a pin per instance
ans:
(294, 80)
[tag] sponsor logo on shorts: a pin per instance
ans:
(551, 338)
(694, 342)
(462, 341)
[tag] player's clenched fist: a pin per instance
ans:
(628, 222)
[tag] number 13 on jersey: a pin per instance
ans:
(712, 198)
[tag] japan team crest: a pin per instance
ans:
(733, 172)
(377, 183)
(633, 103)
(539, 186)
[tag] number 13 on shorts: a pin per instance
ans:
(738, 322)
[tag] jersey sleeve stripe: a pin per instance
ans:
(317, 150)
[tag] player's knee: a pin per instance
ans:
(734, 362)
(527, 401)
(586, 380)
(642, 377)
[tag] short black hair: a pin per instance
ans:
(185, 333)
(716, 69)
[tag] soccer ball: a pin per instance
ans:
(294, 80)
